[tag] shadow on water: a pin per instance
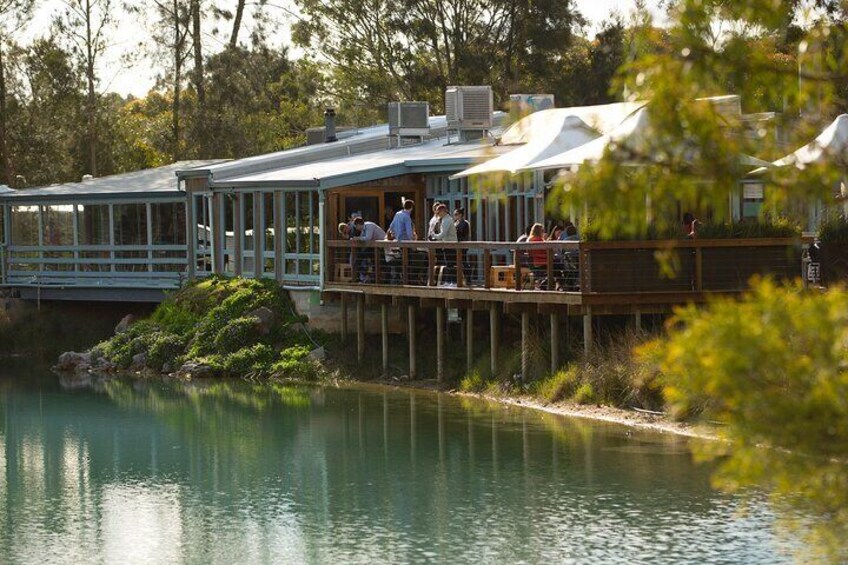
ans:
(161, 471)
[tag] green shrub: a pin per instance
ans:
(165, 348)
(236, 334)
(254, 360)
(472, 382)
(834, 230)
(584, 394)
(558, 386)
(175, 319)
(295, 363)
(748, 229)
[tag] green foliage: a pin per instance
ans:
(584, 394)
(772, 368)
(209, 323)
(472, 382)
(294, 363)
(558, 386)
(749, 229)
(252, 360)
(834, 230)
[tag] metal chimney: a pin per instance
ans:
(330, 125)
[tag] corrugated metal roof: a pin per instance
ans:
(354, 142)
(433, 155)
(158, 180)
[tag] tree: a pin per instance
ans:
(772, 366)
(83, 23)
(413, 49)
(13, 14)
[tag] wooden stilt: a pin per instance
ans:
(344, 319)
(493, 339)
(638, 320)
(360, 327)
(411, 337)
(587, 331)
(440, 344)
(554, 342)
(525, 346)
(384, 327)
(469, 339)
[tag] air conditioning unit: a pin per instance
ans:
(469, 108)
(409, 119)
(529, 103)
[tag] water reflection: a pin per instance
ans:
(151, 472)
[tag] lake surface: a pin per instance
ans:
(161, 472)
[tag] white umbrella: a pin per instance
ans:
(549, 132)
(831, 146)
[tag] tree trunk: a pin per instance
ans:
(92, 101)
(178, 63)
(200, 119)
(4, 152)
(237, 24)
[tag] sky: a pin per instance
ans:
(127, 69)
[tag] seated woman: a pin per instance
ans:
(538, 257)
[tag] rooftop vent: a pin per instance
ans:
(469, 108)
(409, 119)
(330, 125)
(524, 104)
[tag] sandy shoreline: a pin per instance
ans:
(609, 414)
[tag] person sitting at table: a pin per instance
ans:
(538, 257)
(365, 231)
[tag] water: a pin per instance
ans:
(161, 472)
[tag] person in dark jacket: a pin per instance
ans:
(463, 233)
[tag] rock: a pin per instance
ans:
(198, 370)
(124, 324)
(71, 361)
(266, 319)
(317, 354)
(103, 365)
(139, 361)
(167, 368)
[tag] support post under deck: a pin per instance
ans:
(493, 338)
(587, 331)
(525, 346)
(469, 340)
(411, 336)
(440, 344)
(384, 327)
(344, 319)
(360, 327)
(554, 342)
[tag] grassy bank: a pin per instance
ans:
(216, 328)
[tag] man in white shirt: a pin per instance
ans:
(446, 233)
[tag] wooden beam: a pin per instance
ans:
(493, 339)
(440, 344)
(411, 335)
(587, 331)
(384, 327)
(344, 318)
(525, 346)
(360, 327)
(469, 339)
(554, 342)
(637, 318)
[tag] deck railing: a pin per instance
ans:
(141, 266)
(587, 268)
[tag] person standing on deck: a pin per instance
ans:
(402, 226)
(463, 234)
(446, 233)
(365, 231)
(435, 221)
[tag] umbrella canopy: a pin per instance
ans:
(635, 135)
(550, 132)
(831, 146)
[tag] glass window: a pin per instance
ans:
(130, 224)
(168, 223)
(25, 225)
(58, 223)
(268, 230)
(291, 222)
(93, 224)
(315, 224)
(247, 226)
